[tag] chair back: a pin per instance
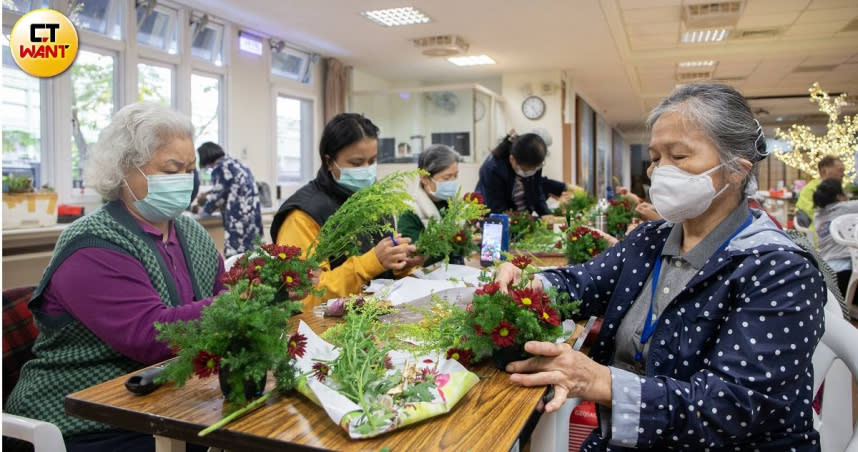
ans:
(844, 231)
(835, 362)
(19, 333)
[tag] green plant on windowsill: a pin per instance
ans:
(17, 184)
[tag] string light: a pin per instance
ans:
(808, 149)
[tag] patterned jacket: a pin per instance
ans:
(235, 195)
(729, 363)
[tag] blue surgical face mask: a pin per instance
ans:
(357, 178)
(167, 196)
(445, 190)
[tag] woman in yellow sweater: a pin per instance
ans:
(348, 149)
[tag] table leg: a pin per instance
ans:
(164, 444)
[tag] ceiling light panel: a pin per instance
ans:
(698, 36)
(473, 60)
(395, 17)
(691, 64)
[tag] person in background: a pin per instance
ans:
(710, 317)
(430, 193)
(403, 150)
(830, 167)
(235, 195)
(830, 202)
(511, 177)
(348, 150)
(115, 272)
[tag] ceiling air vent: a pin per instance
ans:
(441, 46)
(759, 33)
(730, 79)
(819, 68)
(711, 14)
(684, 77)
(851, 26)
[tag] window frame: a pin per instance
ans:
(308, 158)
(221, 124)
(174, 70)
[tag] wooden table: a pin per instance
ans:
(491, 417)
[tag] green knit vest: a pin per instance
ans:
(69, 357)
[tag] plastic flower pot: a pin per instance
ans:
(505, 355)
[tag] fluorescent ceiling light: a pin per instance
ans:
(473, 60)
(396, 16)
(706, 63)
(249, 43)
(712, 35)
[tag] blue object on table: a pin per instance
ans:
(505, 242)
(392, 239)
(609, 192)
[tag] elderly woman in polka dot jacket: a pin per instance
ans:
(710, 317)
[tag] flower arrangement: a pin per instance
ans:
(583, 243)
(240, 336)
(366, 214)
(619, 214)
(579, 202)
(497, 323)
(387, 387)
(521, 224)
(450, 235)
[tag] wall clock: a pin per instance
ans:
(533, 107)
(479, 110)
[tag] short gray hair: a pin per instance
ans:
(726, 119)
(437, 158)
(134, 133)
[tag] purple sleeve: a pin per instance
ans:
(110, 293)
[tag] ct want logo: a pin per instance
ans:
(44, 43)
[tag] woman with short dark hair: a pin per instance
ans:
(830, 202)
(348, 149)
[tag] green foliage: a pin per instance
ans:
(361, 371)
(17, 184)
(365, 214)
(243, 329)
(521, 224)
(619, 214)
(14, 140)
(579, 202)
(542, 240)
(451, 235)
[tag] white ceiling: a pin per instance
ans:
(622, 53)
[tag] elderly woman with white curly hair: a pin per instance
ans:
(117, 271)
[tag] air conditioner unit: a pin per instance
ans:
(442, 46)
(698, 14)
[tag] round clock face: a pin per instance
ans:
(479, 110)
(533, 107)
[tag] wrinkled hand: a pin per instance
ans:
(201, 199)
(416, 261)
(394, 257)
(610, 238)
(572, 373)
(508, 275)
(647, 211)
(625, 192)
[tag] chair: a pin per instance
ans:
(834, 360)
(19, 333)
(804, 230)
(844, 231)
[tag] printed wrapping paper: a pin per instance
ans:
(453, 381)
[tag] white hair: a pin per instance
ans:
(134, 133)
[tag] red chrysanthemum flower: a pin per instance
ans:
(234, 275)
(479, 330)
(504, 334)
(297, 345)
(521, 261)
(559, 244)
(460, 354)
(282, 252)
(388, 363)
(460, 237)
(425, 373)
(320, 371)
(549, 315)
(528, 298)
(206, 364)
(254, 267)
(290, 279)
(475, 197)
(488, 289)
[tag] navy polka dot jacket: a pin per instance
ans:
(729, 364)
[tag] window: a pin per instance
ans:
(291, 64)
(23, 6)
(93, 104)
(157, 27)
(155, 83)
(294, 139)
(207, 43)
(99, 16)
(205, 108)
(22, 124)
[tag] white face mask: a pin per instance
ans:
(678, 195)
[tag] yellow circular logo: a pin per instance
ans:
(44, 43)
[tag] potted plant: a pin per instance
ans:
(583, 244)
(451, 235)
(25, 207)
(618, 215)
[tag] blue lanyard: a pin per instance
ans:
(651, 320)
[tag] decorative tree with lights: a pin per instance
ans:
(808, 149)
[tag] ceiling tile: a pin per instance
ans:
(826, 4)
(812, 28)
(838, 17)
(766, 7)
(657, 85)
(765, 21)
(652, 15)
(844, 72)
(736, 69)
(647, 4)
(653, 29)
(824, 60)
(654, 41)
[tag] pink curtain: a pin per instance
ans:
(336, 88)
